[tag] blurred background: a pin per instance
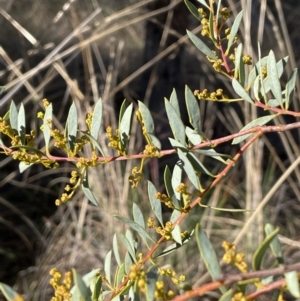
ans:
(81, 50)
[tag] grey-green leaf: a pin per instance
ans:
(107, 266)
(238, 88)
(86, 188)
(292, 282)
(124, 128)
(193, 110)
(13, 117)
(127, 245)
(234, 30)
(147, 118)
(176, 178)
(261, 250)
(47, 122)
(174, 102)
(176, 123)
(155, 203)
(237, 62)
(136, 227)
(22, 124)
(203, 2)
(138, 215)
(208, 255)
(83, 289)
(227, 296)
(201, 46)
(176, 234)
(193, 9)
(96, 120)
(116, 250)
(169, 187)
(273, 77)
(290, 88)
(193, 136)
(151, 283)
(8, 292)
(257, 122)
(188, 168)
(72, 124)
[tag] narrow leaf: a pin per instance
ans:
(193, 9)
(292, 282)
(119, 275)
(95, 143)
(127, 245)
(257, 122)
(169, 188)
(237, 62)
(208, 255)
(47, 123)
(290, 88)
(138, 215)
(147, 118)
(174, 102)
(189, 170)
(107, 266)
(22, 124)
(227, 296)
(176, 234)
(8, 292)
(155, 203)
(124, 128)
(234, 30)
(128, 262)
(238, 88)
(273, 77)
(82, 288)
(13, 117)
(176, 124)
(86, 188)
(23, 166)
(116, 250)
(155, 141)
(177, 178)
(201, 46)
(136, 227)
(151, 283)
(193, 110)
(261, 250)
(203, 2)
(96, 120)
(97, 288)
(256, 71)
(193, 136)
(72, 124)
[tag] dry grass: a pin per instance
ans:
(100, 54)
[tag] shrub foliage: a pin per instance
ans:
(139, 274)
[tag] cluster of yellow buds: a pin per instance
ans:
(86, 162)
(138, 275)
(166, 231)
(75, 180)
(182, 189)
(239, 296)
(164, 199)
(151, 151)
(160, 292)
(205, 27)
(212, 96)
(61, 287)
(135, 177)
(225, 13)
(114, 140)
(231, 257)
(172, 274)
(88, 120)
